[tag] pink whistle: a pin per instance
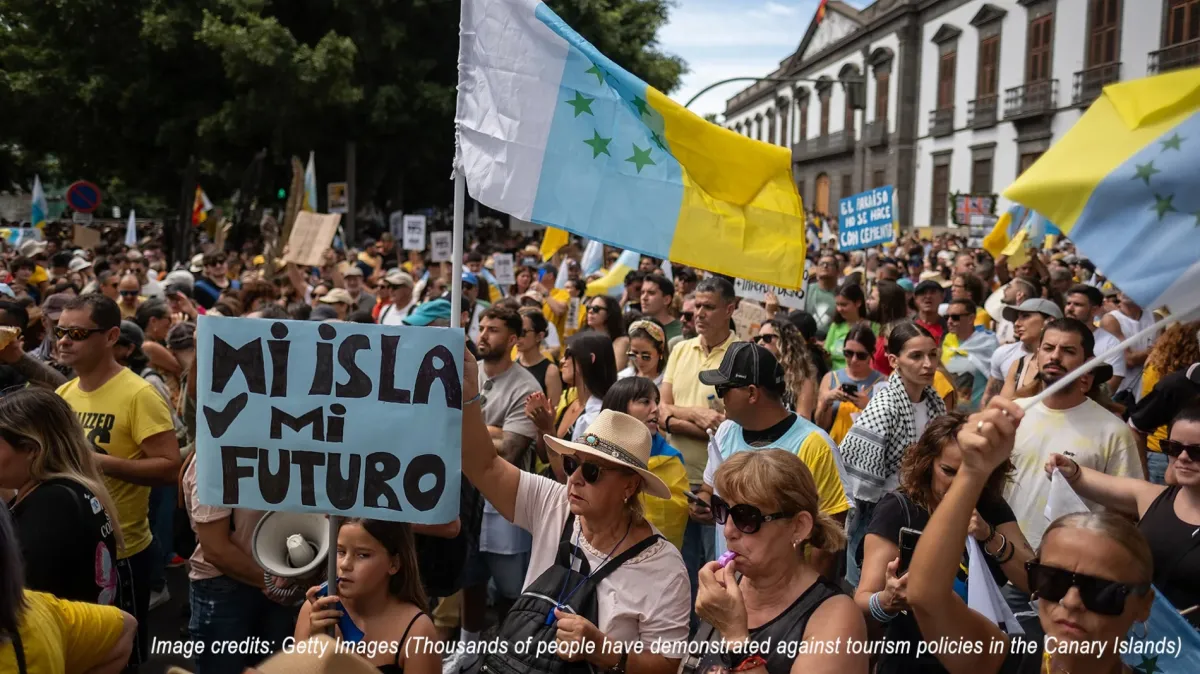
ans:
(726, 558)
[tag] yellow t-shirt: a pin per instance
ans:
(60, 636)
(816, 453)
(688, 360)
(38, 276)
(118, 417)
(559, 320)
(1150, 378)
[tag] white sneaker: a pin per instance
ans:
(454, 664)
(157, 599)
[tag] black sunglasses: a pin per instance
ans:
(596, 308)
(746, 518)
(591, 471)
(687, 315)
(955, 317)
(723, 389)
(76, 334)
(763, 339)
(1174, 448)
(1099, 595)
(855, 355)
(130, 293)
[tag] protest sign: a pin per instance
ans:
(502, 264)
(414, 232)
(792, 299)
(86, 237)
(350, 419)
(312, 234)
(82, 218)
(443, 246)
(866, 219)
(338, 196)
(396, 225)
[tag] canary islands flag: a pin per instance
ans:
(1124, 185)
(553, 132)
(38, 206)
(310, 184)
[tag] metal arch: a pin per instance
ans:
(781, 80)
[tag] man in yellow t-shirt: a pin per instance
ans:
(554, 300)
(130, 427)
(750, 383)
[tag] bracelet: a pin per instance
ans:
(477, 398)
(1000, 550)
(991, 535)
(1012, 551)
(751, 663)
(1075, 475)
(877, 611)
(667, 423)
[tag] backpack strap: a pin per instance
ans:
(614, 563)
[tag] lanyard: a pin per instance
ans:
(564, 598)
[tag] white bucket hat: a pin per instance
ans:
(621, 439)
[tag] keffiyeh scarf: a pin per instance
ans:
(883, 431)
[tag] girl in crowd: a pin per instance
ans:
(604, 316)
(638, 397)
(845, 392)
(596, 516)
(647, 351)
(851, 310)
(1167, 516)
(887, 306)
(1174, 350)
(926, 472)
(524, 281)
(1091, 574)
(379, 597)
(768, 508)
(893, 419)
(65, 519)
(588, 368)
(530, 354)
(785, 341)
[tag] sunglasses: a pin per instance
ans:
(723, 389)
(1106, 597)
(856, 355)
(645, 357)
(130, 293)
(596, 308)
(955, 317)
(591, 471)
(1174, 448)
(746, 518)
(763, 339)
(687, 316)
(76, 334)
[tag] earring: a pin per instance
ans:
(1145, 630)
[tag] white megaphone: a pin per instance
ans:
(291, 545)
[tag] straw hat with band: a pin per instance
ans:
(617, 438)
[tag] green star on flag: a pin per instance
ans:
(598, 144)
(1172, 143)
(1144, 171)
(641, 158)
(583, 104)
(1148, 666)
(595, 70)
(641, 106)
(1163, 205)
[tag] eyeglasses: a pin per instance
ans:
(644, 357)
(1173, 448)
(687, 316)
(747, 518)
(856, 355)
(763, 339)
(76, 334)
(596, 308)
(955, 317)
(1099, 595)
(723, 389)
(129, 293)
(591, 471)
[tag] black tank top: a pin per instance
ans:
(1175, 545)
(395, 668)
(538, 370)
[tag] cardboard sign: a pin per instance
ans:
(86, 237)
(443, 246)
(502, 268)
(349, 419)
(312, 234)
(414, 232)
(338, 195)
(751, 290)
(866, 219)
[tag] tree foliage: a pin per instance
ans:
(129, 92)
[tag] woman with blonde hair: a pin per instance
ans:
(768, 506)
(62, 508)
(800, 372)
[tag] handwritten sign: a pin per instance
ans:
(502, 264)
(443, 246)
(791, 299)
(348, 419)
(338, 197)
(414, 232)
(86, 237)
(865, 219)
(312, 234)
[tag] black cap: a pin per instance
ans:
(927, 285)
(745, 364)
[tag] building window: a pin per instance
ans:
(881, 95)
(1183, 21)
(822, 196)
(848, 122)
(989, 67)
(981, 176)
(1040, 44)
(803, 120)
(879, 179)
(945, 91)
(1104, 34)
(847, 185)
(1027, 160)
(771, 127)
(825, 113)
(940, 208)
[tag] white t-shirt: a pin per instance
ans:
(647, 598)
(394, 315)
(1088, 433)
(1004, 357)
(920, 418)
(1105, 340)
(1133, 375)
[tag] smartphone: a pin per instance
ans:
(850, 389)
(699, 503)
(908, 543)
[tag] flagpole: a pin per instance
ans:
(456, 256)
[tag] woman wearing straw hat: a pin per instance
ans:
(590, 593)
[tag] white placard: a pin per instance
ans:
(82, 218)
(443, 246)
(414, 232)
(502, 264)
(751, 290)
(396, 225)
(116, 212)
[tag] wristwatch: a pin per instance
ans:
(619, 668)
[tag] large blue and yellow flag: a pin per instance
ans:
(1124, 185)
(552, 131)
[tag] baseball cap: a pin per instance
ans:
(429, 312)
(131, 334)
(353, 270)
(1033, 305)
(52, 308)
(745, 364)
(398, 278)
(928, 285)
(78, 264)
(337, 296)
(469, 277)
(906, 284)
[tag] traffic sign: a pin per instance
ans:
(83, 196)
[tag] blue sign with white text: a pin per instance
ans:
(865, 220)
(349, 419)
